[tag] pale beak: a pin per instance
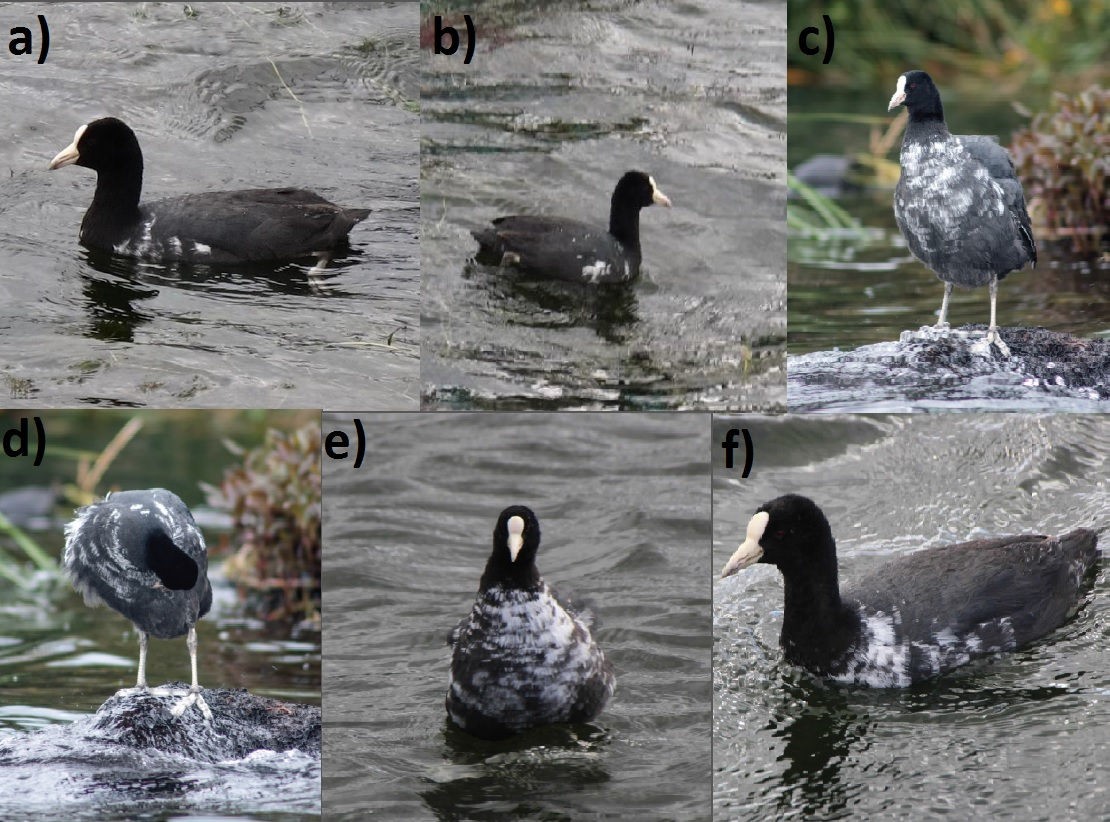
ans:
(67, 156)
(657, 196)
(899, 93)
(516, 536)
(750, 550)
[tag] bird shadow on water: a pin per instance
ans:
(824, 743)
(488, 779)
(611, 311)
(113, 300)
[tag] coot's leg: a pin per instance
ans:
(942, 322)
(141, 681)
(194, 695)
(992, 330)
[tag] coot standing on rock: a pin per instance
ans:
(958, 202)
(573, 251)
(217, 227)
(919, 615)
(141, 554)
(523, 659)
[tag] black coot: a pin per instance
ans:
(522, 658)
(573, 251)
(218, 227)
(141, 554)
(958, 202)
(919, 615)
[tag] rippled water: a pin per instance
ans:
(559, 101)
(965, 744)
(222, 96)
(623, 504)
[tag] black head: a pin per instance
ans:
(915, 90)
(104, 145)
(516, 538)
(790, 532)
(637, 190)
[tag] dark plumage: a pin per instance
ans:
(573, 251)
(958, 202)
(523, 659)
(141, 554)
(919, 615)
(219, 227)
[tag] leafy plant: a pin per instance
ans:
(1062, 158)
(274, 502)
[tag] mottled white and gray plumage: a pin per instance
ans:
(958, 201)
(917, 616)
(522, 659)
(141, 554)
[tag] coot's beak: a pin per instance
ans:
(657, 196)
(750, 550)
(516, 538)
(899, 94)
(69, 155)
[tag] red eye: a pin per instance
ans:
(779, 534)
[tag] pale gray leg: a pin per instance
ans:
(943, 322)
(141, 681)
(992, 329)
(194, 695)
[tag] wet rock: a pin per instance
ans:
(931, 368)
(141, 721)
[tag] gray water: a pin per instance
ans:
(559, 101)
(1021, 735)
(222, 96)
(623, 505)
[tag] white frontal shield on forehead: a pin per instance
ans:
(750, 550)
(516, 540)
(899, 93)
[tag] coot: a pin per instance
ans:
(919, 615)
(522, 658)
(141, 554)
(219, 227)
(573, 251)
(958, 202)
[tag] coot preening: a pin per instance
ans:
(219, 227)
(919, 615)
(573, 251)
(523, 659)
(958, 202)
(141, 554)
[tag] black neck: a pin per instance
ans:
(624, 224)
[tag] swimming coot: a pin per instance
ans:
(958, 202)
(573, 251)
(522, 658)
(141, 554)
(218, 227)
(919, 615)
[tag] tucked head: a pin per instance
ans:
(790, 532)
(915, 90)
(103, 144)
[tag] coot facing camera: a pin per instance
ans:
(523, 658)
